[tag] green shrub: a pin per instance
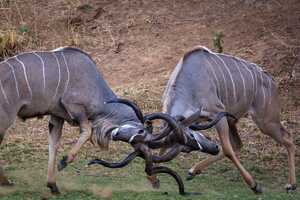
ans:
(10, 43)
(218, 41)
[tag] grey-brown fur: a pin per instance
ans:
(211, 76)
(66, 85)
(218, 82)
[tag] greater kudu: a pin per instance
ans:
(65, 84)
(223, 83)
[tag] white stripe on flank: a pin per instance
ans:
(260, 71)
(68, 76)
(223, 76)
(16, 82)
(3, 92)
(242, 77)
(43, 65)
(214, 73)
(250, 72)
(58, 65)
(263, 89)
(230, 75)
(270, 89)
(256, 80)
(25, 75)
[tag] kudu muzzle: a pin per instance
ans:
(130, 132)
(196, 141)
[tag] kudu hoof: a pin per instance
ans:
(290, 188)
(257, 189)
(62, 163)
(4, 181)
(155, 184)
(154, 181)
(53, 188)
(6, 184)
(190, 176)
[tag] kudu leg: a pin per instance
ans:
(55, 131)
(1, 137)
(153, 178)
(235, 139)
(6, 121)
(283, 137)
(3, 179)
(76, 113)
(223, 131)
(287, 141)
(85, 135)
(202, 165)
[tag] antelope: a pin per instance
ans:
(217, 83)
(65, 84)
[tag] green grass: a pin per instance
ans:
(24, 151)
(220, 182)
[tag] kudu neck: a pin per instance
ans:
(115, 114)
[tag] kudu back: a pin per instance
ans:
(218, 82)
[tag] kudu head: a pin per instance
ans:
(176, 131)
(194, 138)
(117, 124)
(196, 141)
(132, 131)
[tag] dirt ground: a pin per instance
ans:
(137, 43)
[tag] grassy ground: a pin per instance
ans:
(24, 153)
(221, 181)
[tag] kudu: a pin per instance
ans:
(223, 83)
(65, 84)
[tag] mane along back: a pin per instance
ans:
(75, 50)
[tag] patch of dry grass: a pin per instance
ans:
(10, 43)
(105, 192)
(147, 97)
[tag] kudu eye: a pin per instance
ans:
(140, 131)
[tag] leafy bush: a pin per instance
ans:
(218, 41)
(10, 43)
